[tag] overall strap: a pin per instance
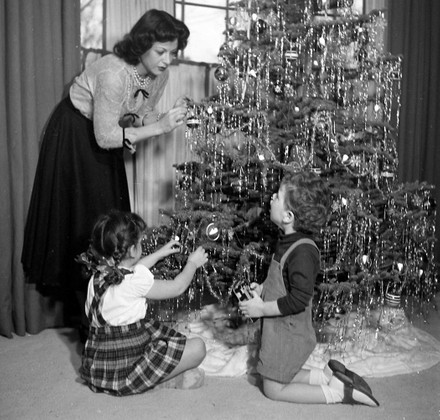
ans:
(294, 245)
(96, 301)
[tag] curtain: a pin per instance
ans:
(414, 32)
(40, 55)
(121, 15)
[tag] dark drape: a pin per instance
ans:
(414, 32)
(40, 54)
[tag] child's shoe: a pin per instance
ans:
(358, 381)
(350, 392)
(190, 379)
(193, 378)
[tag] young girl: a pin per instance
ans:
(126, 353)
(299, 209)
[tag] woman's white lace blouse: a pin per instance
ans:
(105, 91)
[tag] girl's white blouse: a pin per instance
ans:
(125, 303)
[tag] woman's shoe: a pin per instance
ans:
(358, 381)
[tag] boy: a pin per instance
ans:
(284, 302)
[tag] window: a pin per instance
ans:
(207, 21)
(91, 23)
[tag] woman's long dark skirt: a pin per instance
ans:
(75, 182)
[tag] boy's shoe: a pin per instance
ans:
(352, 393)
(358, 381)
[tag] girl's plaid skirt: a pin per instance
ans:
(130, 359)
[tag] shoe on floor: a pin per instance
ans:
(354, 394)
(190, 379)
(358, 381)
(193, 378)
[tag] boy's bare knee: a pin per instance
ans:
(271, 389)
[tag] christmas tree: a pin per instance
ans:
(303, 85)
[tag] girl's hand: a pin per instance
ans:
(253, 308)
(172, 247)
(199, 257)
(172, 119)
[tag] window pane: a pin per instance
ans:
(91, 23)
(207, 28)
(178, 11)
(206, 2)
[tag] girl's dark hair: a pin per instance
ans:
(115, 232)
(307, 196)
(112, 236)
(153, 26)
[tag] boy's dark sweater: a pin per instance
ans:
(300, 271)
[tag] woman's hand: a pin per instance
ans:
(172, 119)
(182, 101)
(199, 257)
(130, 120)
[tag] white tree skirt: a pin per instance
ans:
(393, 347)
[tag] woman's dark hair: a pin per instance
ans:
(307, 196)
(153, 26)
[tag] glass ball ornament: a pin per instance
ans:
(221, 74)
(212, 232)
(193, 121)
(233, 21)
(339, 310)
(259, 27)
(226, 51)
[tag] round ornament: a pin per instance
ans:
(193, 122)
(221, 74)
(259, 27)
(212, 232)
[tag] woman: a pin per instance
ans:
(80, 173)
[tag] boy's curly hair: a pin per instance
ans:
(307, 196)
